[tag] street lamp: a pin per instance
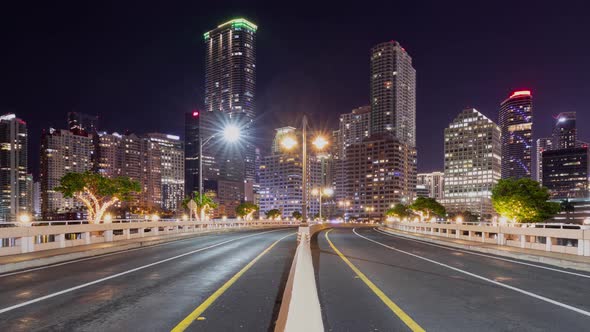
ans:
(289, 142)
(328, 192)
(231, 133)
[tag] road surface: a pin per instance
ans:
(207, 283)
(372, 281)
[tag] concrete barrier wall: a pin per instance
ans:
(23, 238)
(545, 237)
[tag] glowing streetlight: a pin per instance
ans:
(24, 218)
(108, 218)
(155, 217)
(288, 142)
(184, 217)
(320, 142)
(231, 133)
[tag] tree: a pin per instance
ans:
(273, 214)
(97, 192)
(246, 210)
(427, 206)
(523, 200)
(203, 203)
(296, 215)
(398, 210)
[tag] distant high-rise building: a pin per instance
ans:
(230, 88)
(353, 128)
(565, 132)
(136, 157)
(14, 196)
(380, 172)
(433, 183)
(516, 123)
(172, 169)
(565, 172)
(62, 152)
(393, 92)
(472, 163)
(281, 179)
(82, 122)
(543, 144)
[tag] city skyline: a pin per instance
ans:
(180, 69)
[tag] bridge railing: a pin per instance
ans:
(562, 238)
(16, 238)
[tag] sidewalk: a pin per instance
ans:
(566, 261)
(52, 256)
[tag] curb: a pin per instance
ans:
(558, 262)
(60, 258)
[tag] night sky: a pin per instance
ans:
(140, 65)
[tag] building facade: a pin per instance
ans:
(172, 169)
(15, 198)
(516, 123)
(281, 179)
(432, 184)
(230, 88)
(62, 152)
(565, 172)
(565, 131)
(393, 92)
(472, 163)
(543, 144)
(380, 172)
(138, 158)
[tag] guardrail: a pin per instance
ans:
(24, 238)
(562, 238)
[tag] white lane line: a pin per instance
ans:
(522, 291)
(68, 290)
(483, 255)
(99, 256)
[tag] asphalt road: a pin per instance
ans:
(420, 286)
(157, 288)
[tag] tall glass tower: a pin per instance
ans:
(393, 92)
(516, 122)
(230, 87)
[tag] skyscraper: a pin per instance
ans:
(472, 163)
(543, 144)
(565, 172)
(433, 183)
(516, 123)
(230, 87)
(230, 74)
(14, 196)
(62, 151)
(380, 172)
(136, 157)
(393, 92)
(281, 179)
(565, 132)
(353, 129)
(172, 169)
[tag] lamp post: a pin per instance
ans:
(289, 142)
(230, 133)
(322, 192)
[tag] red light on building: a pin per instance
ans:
(521, 93)
(195, 114)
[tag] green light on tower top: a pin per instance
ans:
(241, 23)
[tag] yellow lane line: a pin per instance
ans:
(388, 302)
(184, 324)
